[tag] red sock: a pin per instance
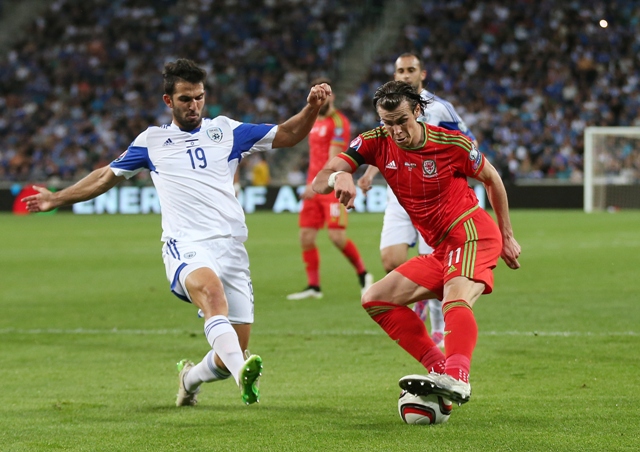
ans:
(351, 252)
(311, 260)
(461, 334)
(405, 327)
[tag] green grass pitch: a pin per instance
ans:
(90, 334)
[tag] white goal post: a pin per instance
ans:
(611, 168)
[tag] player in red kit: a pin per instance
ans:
(427, 169)
(329, 136)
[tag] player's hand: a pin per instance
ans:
(510, 252)
(365, 183)
(308, 192)
(42, 202)
(319, 95)
(345, 189)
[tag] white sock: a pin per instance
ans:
(203, 372)
(224, 341)
(436, 316)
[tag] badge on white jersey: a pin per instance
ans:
(215, 134)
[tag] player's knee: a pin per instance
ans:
(371, 294)
(393, 256)
(338, 237)
(211, 299)
(390, 263)
(307, 239)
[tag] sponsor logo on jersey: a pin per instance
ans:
(168, 142)
(392, 165)
(356, 143)
(475, 156)
(451, 269)
(121, 156)
(410, 165)
(429, 168)
(215, 134)
(189, 254)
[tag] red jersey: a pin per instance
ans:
(335, 129)
(430, 181)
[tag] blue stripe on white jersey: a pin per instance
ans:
(449, 125)
(134, 158)
(245, 136)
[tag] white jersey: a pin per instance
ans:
(439, 113)
(193, 174)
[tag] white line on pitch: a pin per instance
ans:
(176, 332)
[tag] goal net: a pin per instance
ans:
(611, 168)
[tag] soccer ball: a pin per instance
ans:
(424, 410)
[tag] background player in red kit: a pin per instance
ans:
(427, 168)
(329, 136)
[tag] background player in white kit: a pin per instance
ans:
(192, 163)
(398, 233)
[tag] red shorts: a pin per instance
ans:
(323, 209)
(471, 249)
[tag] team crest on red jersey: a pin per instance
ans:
(356, 143)
(475, 156)
(429, 168)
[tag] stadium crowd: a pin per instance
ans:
(527, 78)
(84, 79)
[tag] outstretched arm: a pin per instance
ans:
(294, 129)
(336, 175)
(498, 198)
(95, 184)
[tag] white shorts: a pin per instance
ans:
(227, 257)
(397, 228)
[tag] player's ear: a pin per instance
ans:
(417, 111)
(167, 100)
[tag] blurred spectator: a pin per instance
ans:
(297, 174)
(260, 174)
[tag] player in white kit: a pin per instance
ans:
(192, 163)
(398, 233)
